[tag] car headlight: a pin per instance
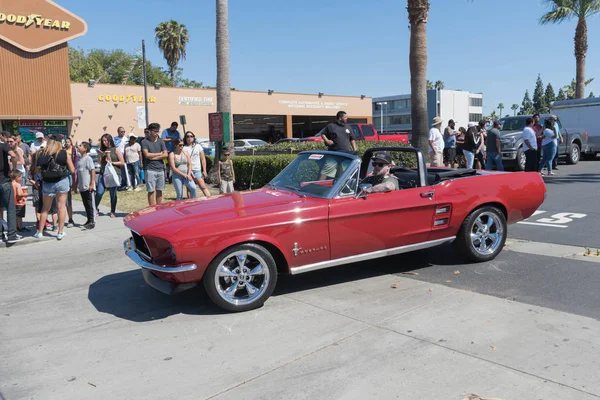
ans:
(508, 141)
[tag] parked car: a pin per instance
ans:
(574, 141)
(364, 132)
(581, 113)
(207, 146)
(94, 155)
(247, 144)
(302, 222)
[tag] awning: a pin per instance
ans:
(36, 117)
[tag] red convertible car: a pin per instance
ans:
(317, 213)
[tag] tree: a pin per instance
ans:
(539, 101)
(501, 107)
(223, 79)
(561, 95)
(564, 10)
(172, 39)
(591, 95)
(429, 85)
(571, 89)
(418, 11)
(514, 107)
(526, 105)
(439, 85)
(549, 95)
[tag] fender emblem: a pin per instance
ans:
(296, 249)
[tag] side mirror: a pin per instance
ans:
(361, 190)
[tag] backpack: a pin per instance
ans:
(50, 169)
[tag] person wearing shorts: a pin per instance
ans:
(154, 152)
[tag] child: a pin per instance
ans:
(20, 197)
(86, 181)
(226, 173)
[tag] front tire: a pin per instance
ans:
(521, 159)
(241, 278)
(482, 234)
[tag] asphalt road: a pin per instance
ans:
(570, 215)
(571, 212)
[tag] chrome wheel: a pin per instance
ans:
(487, 233)
(574, 154)
(242, 277)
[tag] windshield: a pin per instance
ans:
(257, 142)
(513, 124)
(312, 174)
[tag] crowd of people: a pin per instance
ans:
(479, 146)
(55, 168)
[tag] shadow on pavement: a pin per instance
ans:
(126, 295)
(572, 178)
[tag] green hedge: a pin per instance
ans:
(266, 167)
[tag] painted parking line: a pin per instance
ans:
(558, 220)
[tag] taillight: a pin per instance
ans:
(161, 251)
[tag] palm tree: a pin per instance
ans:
(514, 107)
(172, 38)
(563, 10)
(418, 11)
(501, 107)
(223, 80)
(439, 85)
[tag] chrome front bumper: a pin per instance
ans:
(132, 253)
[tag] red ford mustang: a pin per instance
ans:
(316, 214)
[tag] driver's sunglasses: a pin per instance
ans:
(378, 164)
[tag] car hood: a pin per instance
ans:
(176, 216)
(507, 134)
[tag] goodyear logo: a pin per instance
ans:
(36, 20)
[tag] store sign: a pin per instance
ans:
(55, 123)
(196, 101)
(215, 127)
(326, 105)
(28, 123)
(36, 25)
(125, 99)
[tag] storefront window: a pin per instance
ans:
(269, 128)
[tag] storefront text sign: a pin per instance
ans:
(195, 101)
(130, 98)
(313, 104)
(36, 25)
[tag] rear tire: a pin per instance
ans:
(574, 154)
(482, 234)
(241, 278)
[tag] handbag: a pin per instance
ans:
(111, 178)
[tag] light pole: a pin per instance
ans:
(381, 104)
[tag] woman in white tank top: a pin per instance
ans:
(196, 153)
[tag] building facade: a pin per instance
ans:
(461, 106)
(38, 95)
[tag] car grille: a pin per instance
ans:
(140, 245)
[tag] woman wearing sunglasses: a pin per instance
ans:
(198, 160)
(180, 164)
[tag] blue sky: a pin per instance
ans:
(354, 47)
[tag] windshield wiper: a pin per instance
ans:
(295, 190)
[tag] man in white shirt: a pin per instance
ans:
(40, 142)
(120, 141)
(530, 147)
(436, 144)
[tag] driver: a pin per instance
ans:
(381, 179)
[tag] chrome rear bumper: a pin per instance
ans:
(131, 252)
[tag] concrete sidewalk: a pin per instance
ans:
(78, 322)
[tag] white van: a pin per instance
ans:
(584, 115)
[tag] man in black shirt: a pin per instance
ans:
(7, 196)
(338, 135)
(494, 148)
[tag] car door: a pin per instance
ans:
(380, 221)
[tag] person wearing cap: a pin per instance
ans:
(40, 142)
(450, 144)
(436, 143)
(133, 161)
(381, 179)
(494, 147)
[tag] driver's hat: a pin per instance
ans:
(383, 156)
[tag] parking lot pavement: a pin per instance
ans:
(78, 321)
(570, 214)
